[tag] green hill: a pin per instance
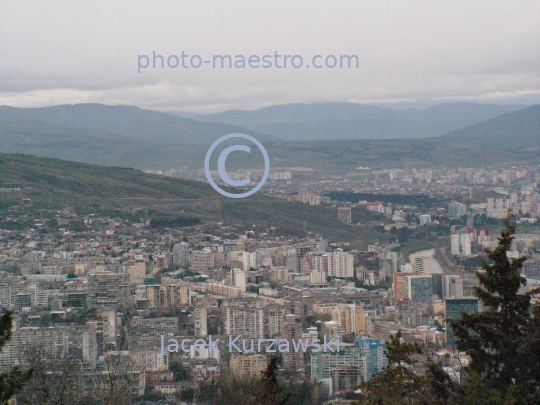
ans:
(514, 131)
(45, 139)
(52, 183)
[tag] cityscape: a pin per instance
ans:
(110, 290)
(270, 203)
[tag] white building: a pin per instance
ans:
(466, 244)
(204, 353)
(200, 320)
(452, 287)
(181, 255)
(422, 265)
(341, 264)
(247, 259)
(425, 219)
(150, 360)
(323, 365)
(318, 277)
(275, 321)
(455, 244)
(244, 318)
(89, 347)
(406, 268)
(238, 279)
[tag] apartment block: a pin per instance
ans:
(248, 367)
(107, 289)
(244, 317)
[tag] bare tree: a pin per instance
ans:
(65, 379)
(121, 380)
(58, 378)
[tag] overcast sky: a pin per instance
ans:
(86, 51)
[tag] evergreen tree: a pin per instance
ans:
(397, 384)
(180, 371)
(441, 389)
(11, 382)
(272, 393)
(503, 341)
(478, 394)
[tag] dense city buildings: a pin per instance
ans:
(115, 289)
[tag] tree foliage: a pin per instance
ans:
(272, 393)
(397, 384)
(13, 381)
(504, 340)
(268, 389)
(180, 371)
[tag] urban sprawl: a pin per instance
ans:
(112, 291)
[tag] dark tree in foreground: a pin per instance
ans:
(11, 382)
(397, 384)
(180, 371)
(272, 393)
(266, 390)
(503, 341)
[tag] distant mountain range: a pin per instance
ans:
(515, 131)
(327, 121)
(133, 137)
(133, 122)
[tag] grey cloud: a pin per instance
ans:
(83, 51)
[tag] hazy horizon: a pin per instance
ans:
(418, 51)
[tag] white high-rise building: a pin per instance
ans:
(425, 219)
(466, 248)
(455, 244)
(89, 346)
(247, 259)
(326, 366)
(244, 318)
(317, 277)
(275, 321)
(422, 265)
(112, 328)
(341, 264)
(200, 320)
(181, 255)
(452, 287)
(344, 214)
(319, 261)
(238, 278)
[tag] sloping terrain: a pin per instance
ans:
(52, 183)
(515, 131)
(325, 121)
(91, 146)
(131, 122)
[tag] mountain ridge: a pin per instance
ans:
(130, 121)
(337, 156)
(515, 131)
(342, 120)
